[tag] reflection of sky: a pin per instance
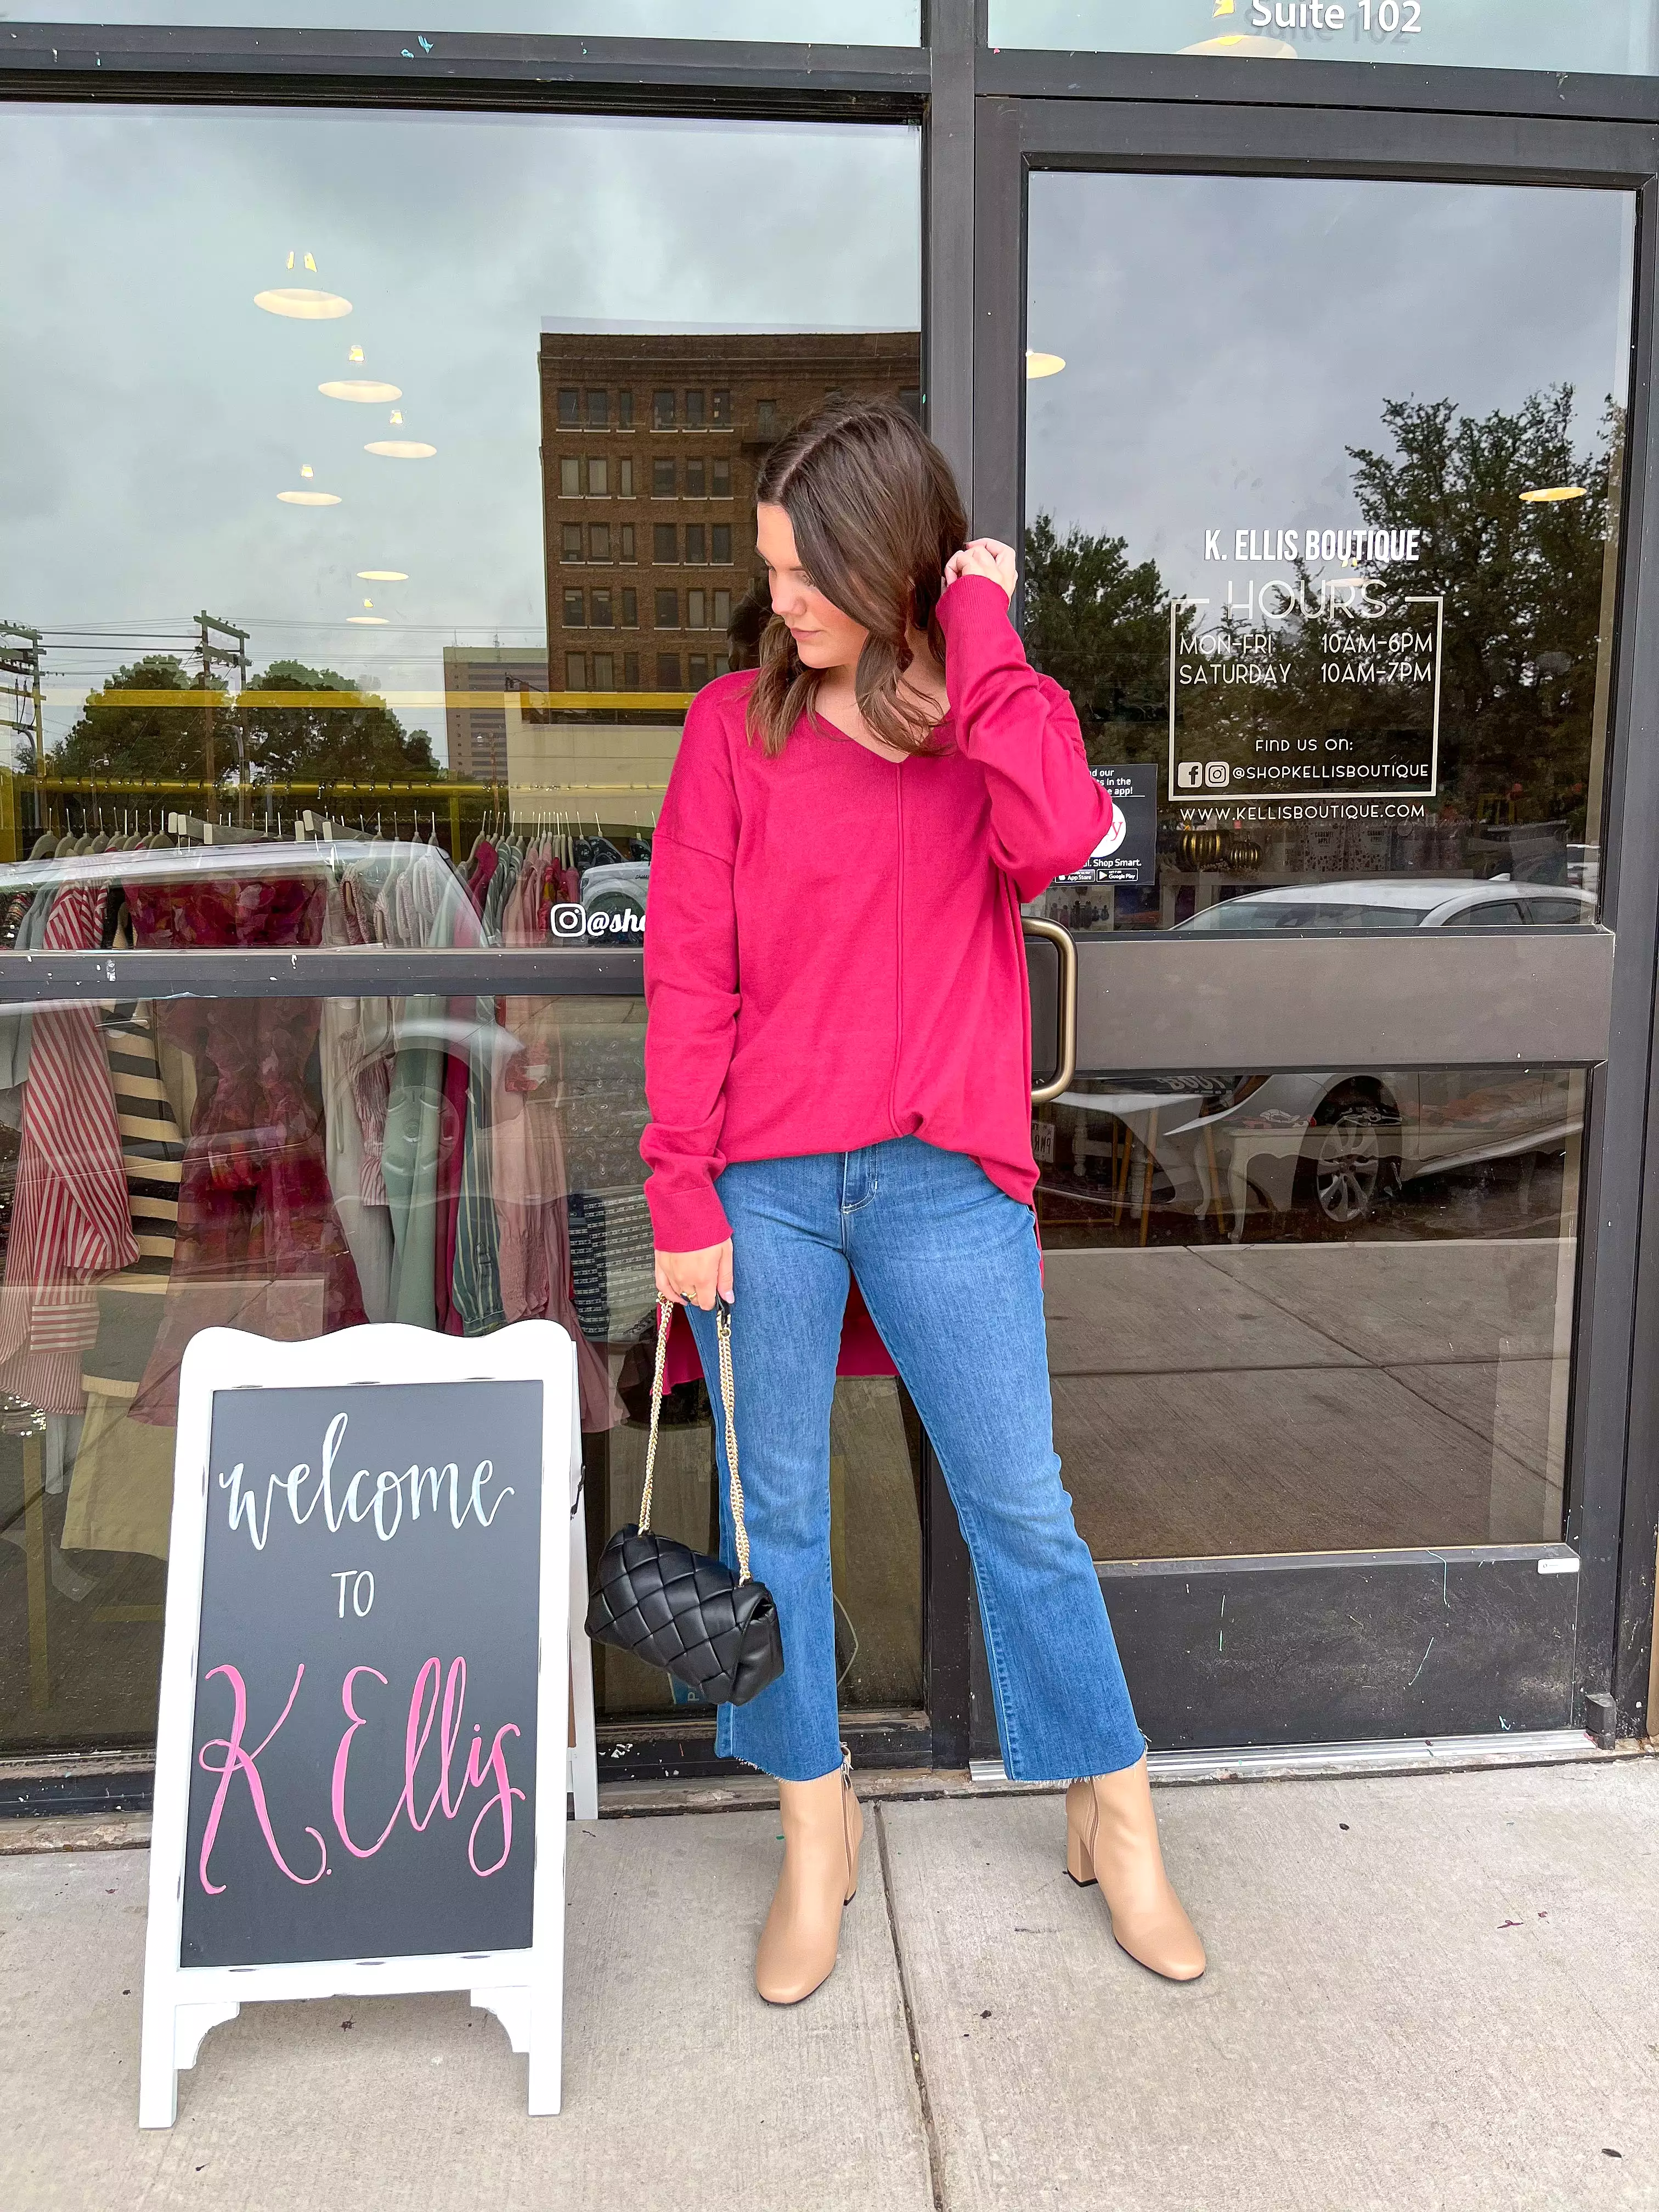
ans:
(1227, 338)
(153, 412)
(853, 22)
(1615, 36)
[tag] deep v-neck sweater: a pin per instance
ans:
(833, 953)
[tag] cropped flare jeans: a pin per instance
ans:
(948, 1268)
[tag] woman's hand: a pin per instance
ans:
(985, 557)
(694, 1278)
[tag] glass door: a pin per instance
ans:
(1318, 485)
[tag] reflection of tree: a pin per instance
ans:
(117, 737)
(359, 742)
(1100, 626)
(1522, 584)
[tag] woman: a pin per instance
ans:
(838, 1064)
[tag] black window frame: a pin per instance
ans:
(981, 110)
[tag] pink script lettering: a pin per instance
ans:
(237, 1759)
(483, 1771)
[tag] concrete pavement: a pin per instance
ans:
(1433, 1991)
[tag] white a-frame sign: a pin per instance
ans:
(377, 1571)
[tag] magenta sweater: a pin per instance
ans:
(833, 953)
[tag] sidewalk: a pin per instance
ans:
(1425, 1991)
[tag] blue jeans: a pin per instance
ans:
(947, 1264)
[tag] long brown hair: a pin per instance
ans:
(876, 515)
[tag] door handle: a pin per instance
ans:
(1061, 940)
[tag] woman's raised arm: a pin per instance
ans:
(1047, 813)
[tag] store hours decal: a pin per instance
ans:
(1321, 681)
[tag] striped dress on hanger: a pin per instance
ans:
(121, 1495)
(70, 1223)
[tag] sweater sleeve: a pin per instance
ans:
(691, 988)
(1047, 813)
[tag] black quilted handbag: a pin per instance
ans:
(715, 1631)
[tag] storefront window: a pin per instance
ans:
(332, 603)
(290, 1166)
(1327, 554)
(1315, 1312)
(849, 22)
(1616, 37)
(354, 528)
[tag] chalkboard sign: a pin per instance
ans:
(361, 1761)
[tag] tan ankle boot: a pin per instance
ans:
(1111, 1837)
(823, 1828)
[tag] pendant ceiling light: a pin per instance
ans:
(302, 304)
(363, 389)
(400, 449)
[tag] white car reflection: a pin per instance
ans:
(1415, 903)
(613, 898)
(1329, 1146)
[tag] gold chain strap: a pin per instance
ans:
(723, 1330)
(728, 1395)
(664, 1315)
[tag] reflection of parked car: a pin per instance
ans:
(1428, 903)
(616, 891)
(1334, 1144)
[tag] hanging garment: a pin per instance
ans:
(152, 1148)
(341, 1056)
(500, 889)
(121, 1496)
(69, 1221)
(425, 1123)
(529, 1188)
(16, 1022)
(461, 1020)
(121, 1493)
(476, 1305)
(481, 875)
(259, 1246)
(376, 1040)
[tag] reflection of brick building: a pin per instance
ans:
(477, 732)
(650, 443)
